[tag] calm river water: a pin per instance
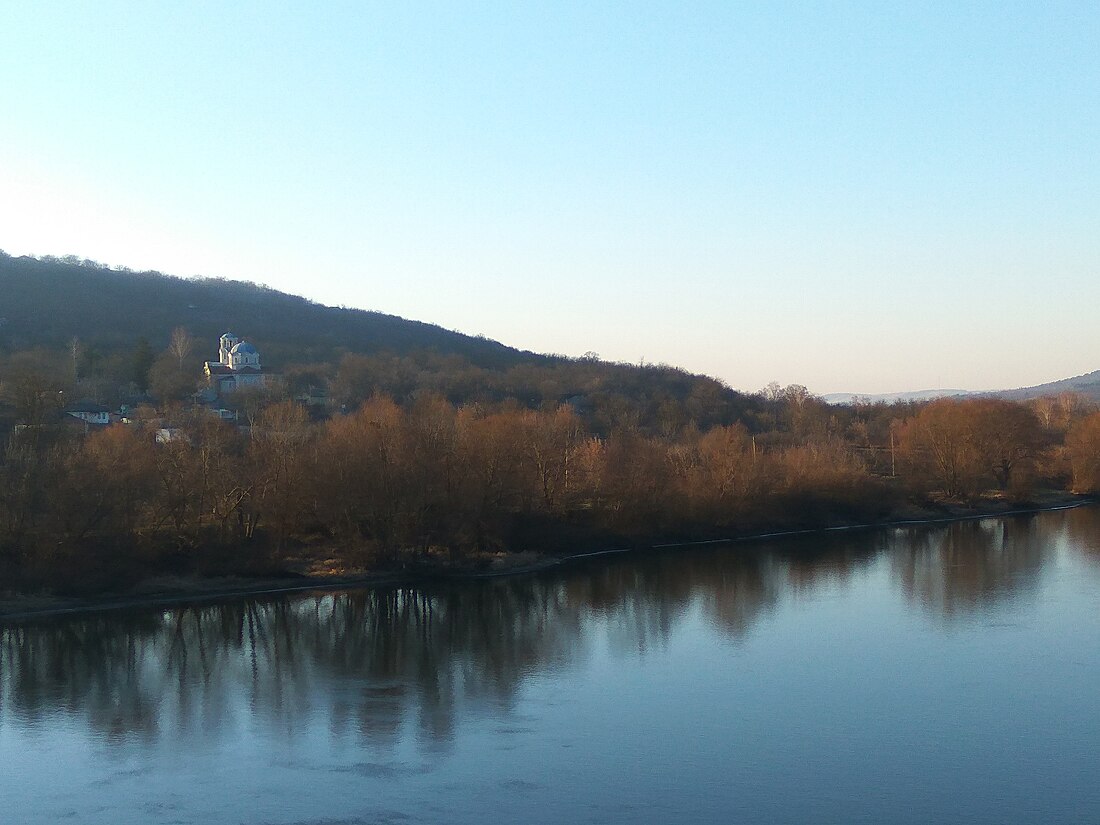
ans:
(913, 675)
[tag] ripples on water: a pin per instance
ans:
(910, 675)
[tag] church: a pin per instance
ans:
(238, 366)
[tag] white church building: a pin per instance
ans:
(238, 366)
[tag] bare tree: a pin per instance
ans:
(773, 392)
(181, 344)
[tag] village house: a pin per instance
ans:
(89, 412)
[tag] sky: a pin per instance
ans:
(858, 197)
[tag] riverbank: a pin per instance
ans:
(174, 591)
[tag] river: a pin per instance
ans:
(906, 675)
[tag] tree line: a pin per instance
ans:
(389, 484)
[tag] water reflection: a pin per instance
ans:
(367, 664)
(960, 568)
(1080, 530)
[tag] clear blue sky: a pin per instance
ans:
(853, 196)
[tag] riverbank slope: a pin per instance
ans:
(316, 573)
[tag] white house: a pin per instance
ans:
(89, 412)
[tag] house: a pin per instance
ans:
(89, 412)
(313, 396)
(238, 366)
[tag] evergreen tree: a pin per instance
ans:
(141, 363)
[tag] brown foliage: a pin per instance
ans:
(1083, 448)
(961, 447)
(389, 481)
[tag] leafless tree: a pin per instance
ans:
(181, 344)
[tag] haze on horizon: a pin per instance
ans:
(857, 197)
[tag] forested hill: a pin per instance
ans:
(101, 334)
(1087, 385)
(47, 302)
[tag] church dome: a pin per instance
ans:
(244, 348)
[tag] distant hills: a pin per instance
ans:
(891, 397)
(1087, 385)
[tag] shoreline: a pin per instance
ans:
(19, 608)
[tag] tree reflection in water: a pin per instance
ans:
(1078, 530)
(957, 569)
(368, 663)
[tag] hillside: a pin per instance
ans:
(49, 301)
(1087, 385)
